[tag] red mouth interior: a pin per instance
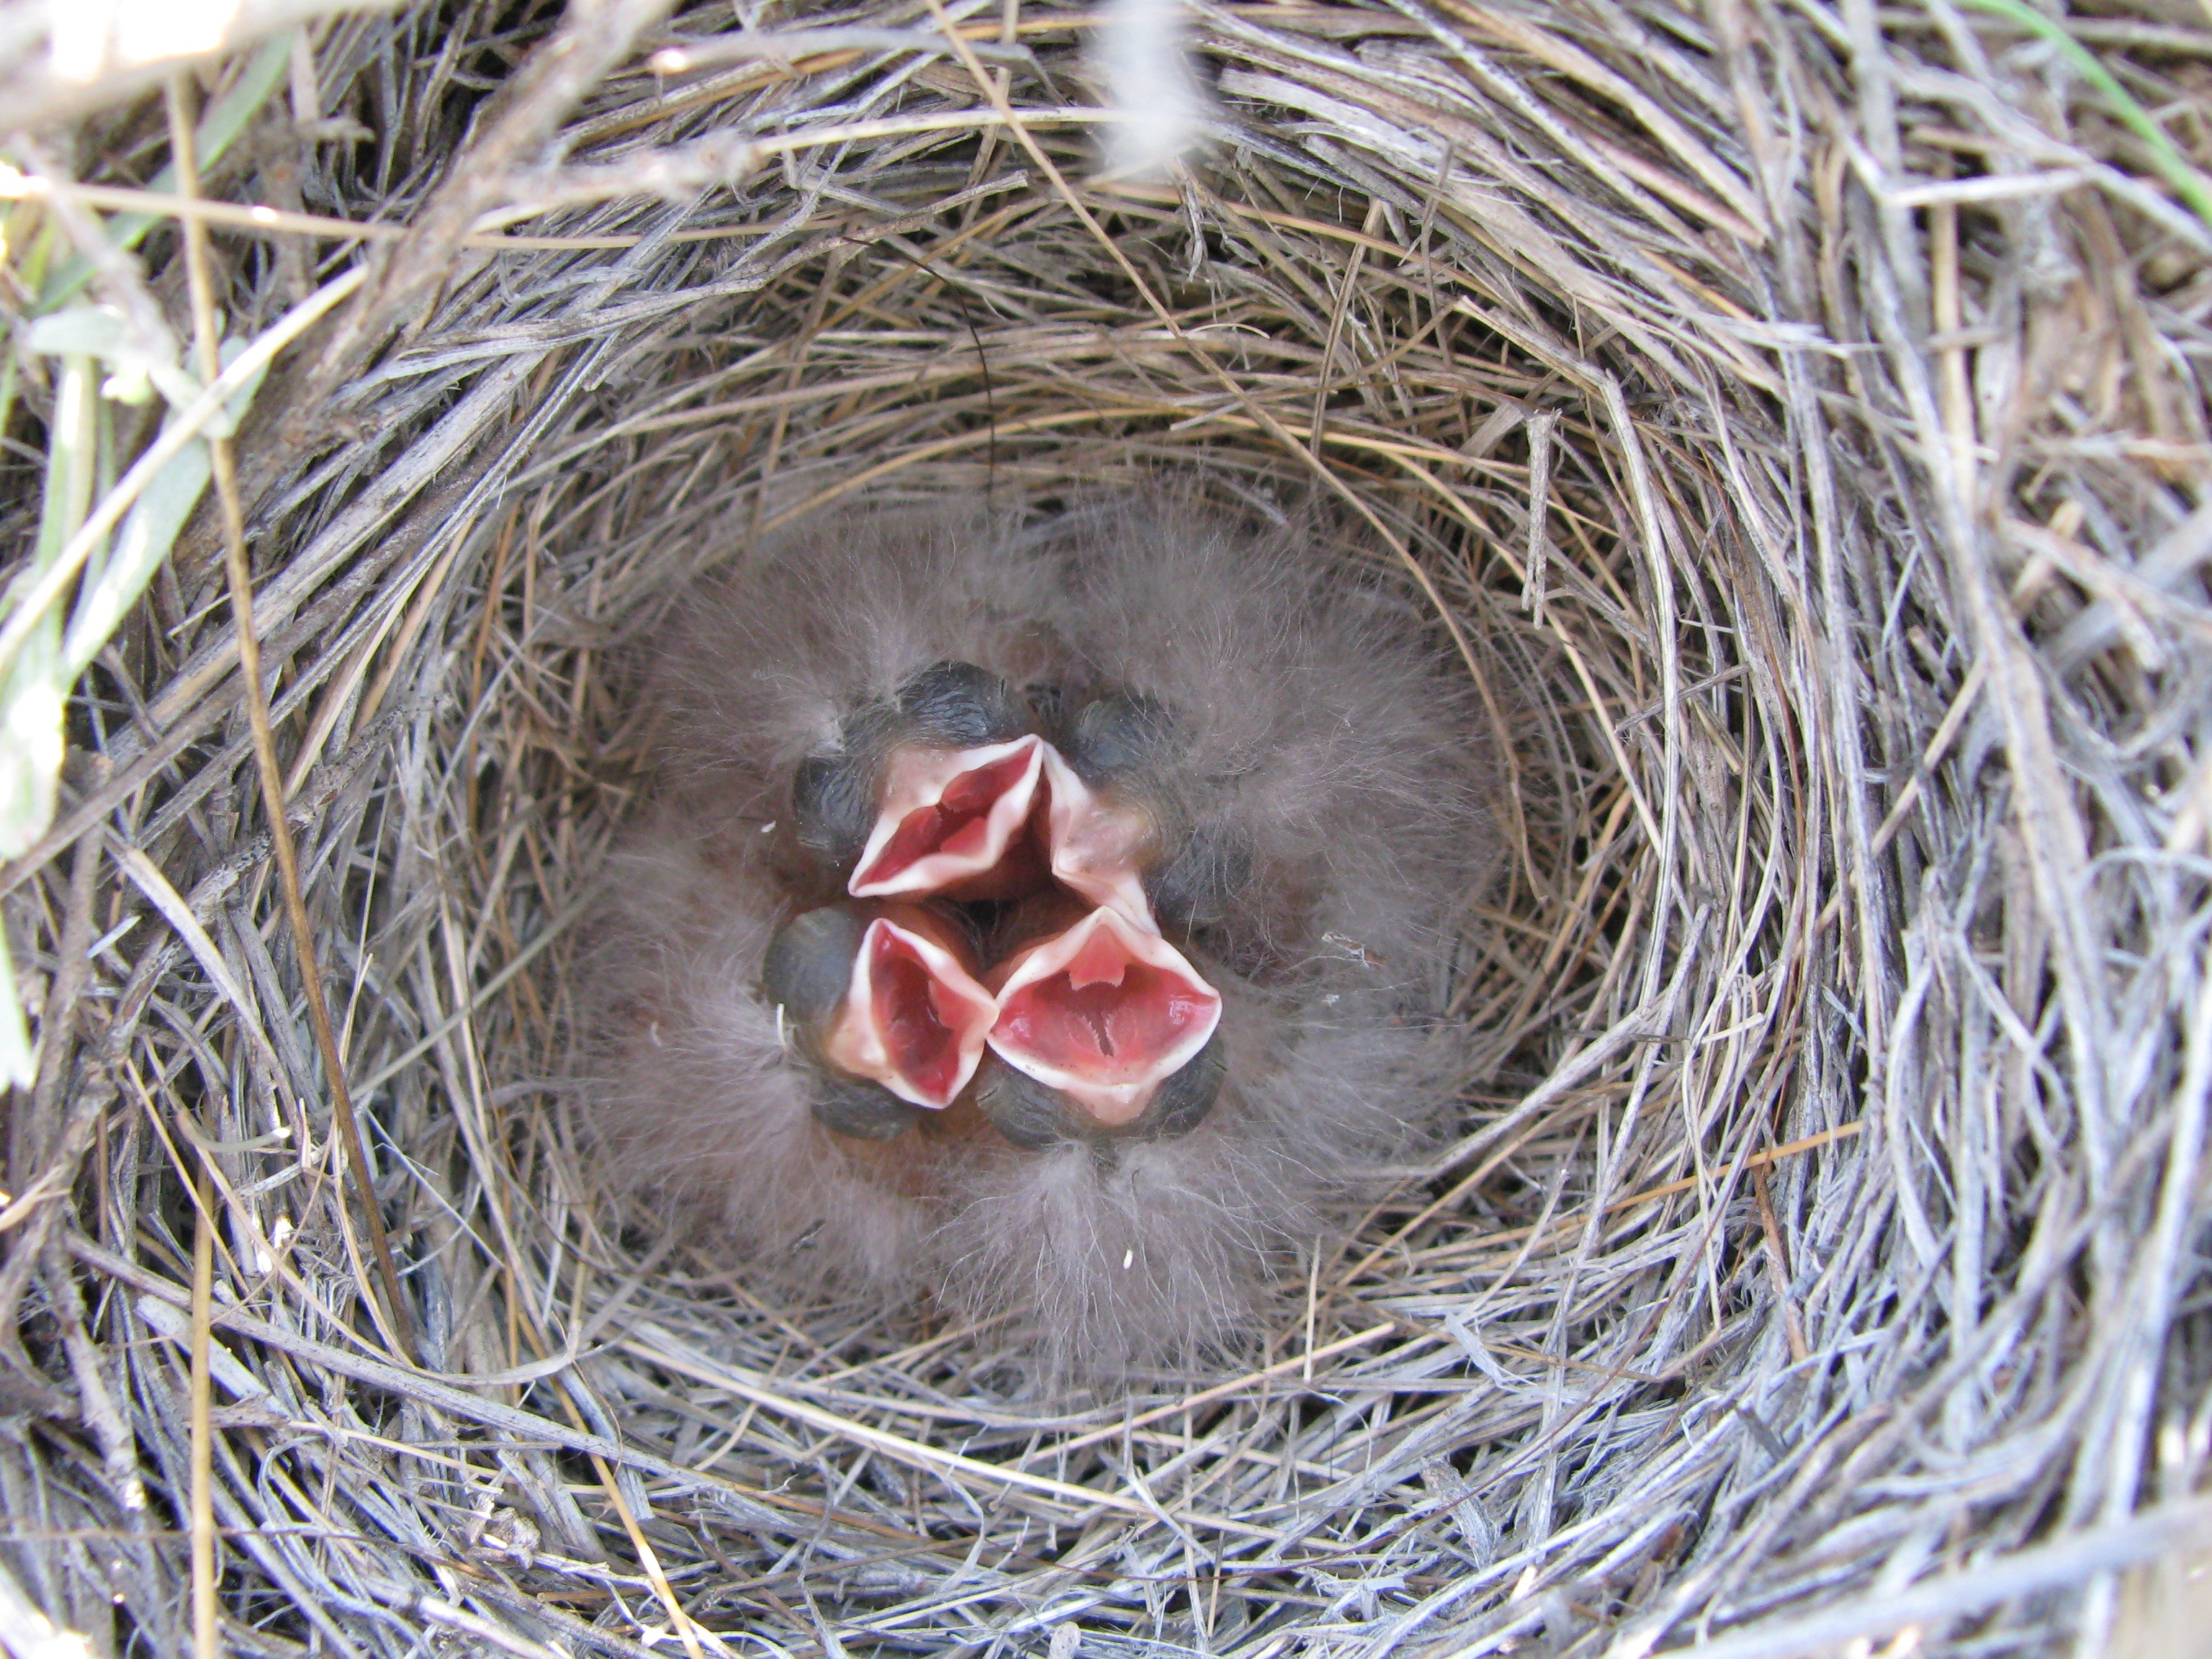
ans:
(1105, 1016)
(956, 824)
(917, 1017)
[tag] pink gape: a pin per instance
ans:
(953, 822)
(1095, 848)
(971, 823)
(913, 1018)
(1105, 1011)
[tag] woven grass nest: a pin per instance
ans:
(1791, 414)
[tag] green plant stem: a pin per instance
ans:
(2190, 184)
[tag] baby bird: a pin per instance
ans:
(930, 791)
(701, 1095)
(763, 1038)
(1103, 1029)
(882, 999)
(1269, 758)
(1052, 918)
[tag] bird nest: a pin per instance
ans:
(1790, 416)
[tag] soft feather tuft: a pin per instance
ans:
(763, 669)
(1141, 1254)
(1316, 720)
(1142, 58)
(1316, 729)
(695, 1097)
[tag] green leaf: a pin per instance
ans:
(2190, 185)
(79, 332)
(32, 694)
(19, 1064)
(147, 532)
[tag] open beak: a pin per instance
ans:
(903, 1007)
(1096, 846)
(1103, 1011)
(953, 822)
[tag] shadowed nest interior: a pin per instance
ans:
(1791, 413)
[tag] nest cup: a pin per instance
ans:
(1790, 418)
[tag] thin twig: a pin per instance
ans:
(392, 1316)
(206, 1644)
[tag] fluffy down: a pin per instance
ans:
(1334, 774)
(695, 1098)
(1132, 1254)
(1331, 786)
(768, 668)
(1317, 779)
(692, 1094)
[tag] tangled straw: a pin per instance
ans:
(1795, 416)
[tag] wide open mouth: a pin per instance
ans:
(950, 820)
(1104, 1012)
(914, 1020)
(1096, 849)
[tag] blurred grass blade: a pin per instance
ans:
(32, 693)
(18, 1060)
(218, 129)
(36, 590)
(144, 540)
(2192, 185)
(34, 686)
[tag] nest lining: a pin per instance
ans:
(1824, 1213)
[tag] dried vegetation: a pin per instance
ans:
(1793, 413)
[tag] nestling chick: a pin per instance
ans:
(1282, 772)
(882, 997)
(701, 1099)
(755, 1057)
(1057, 920)
(875, 660)
(1101, 1029)
(930, 791)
